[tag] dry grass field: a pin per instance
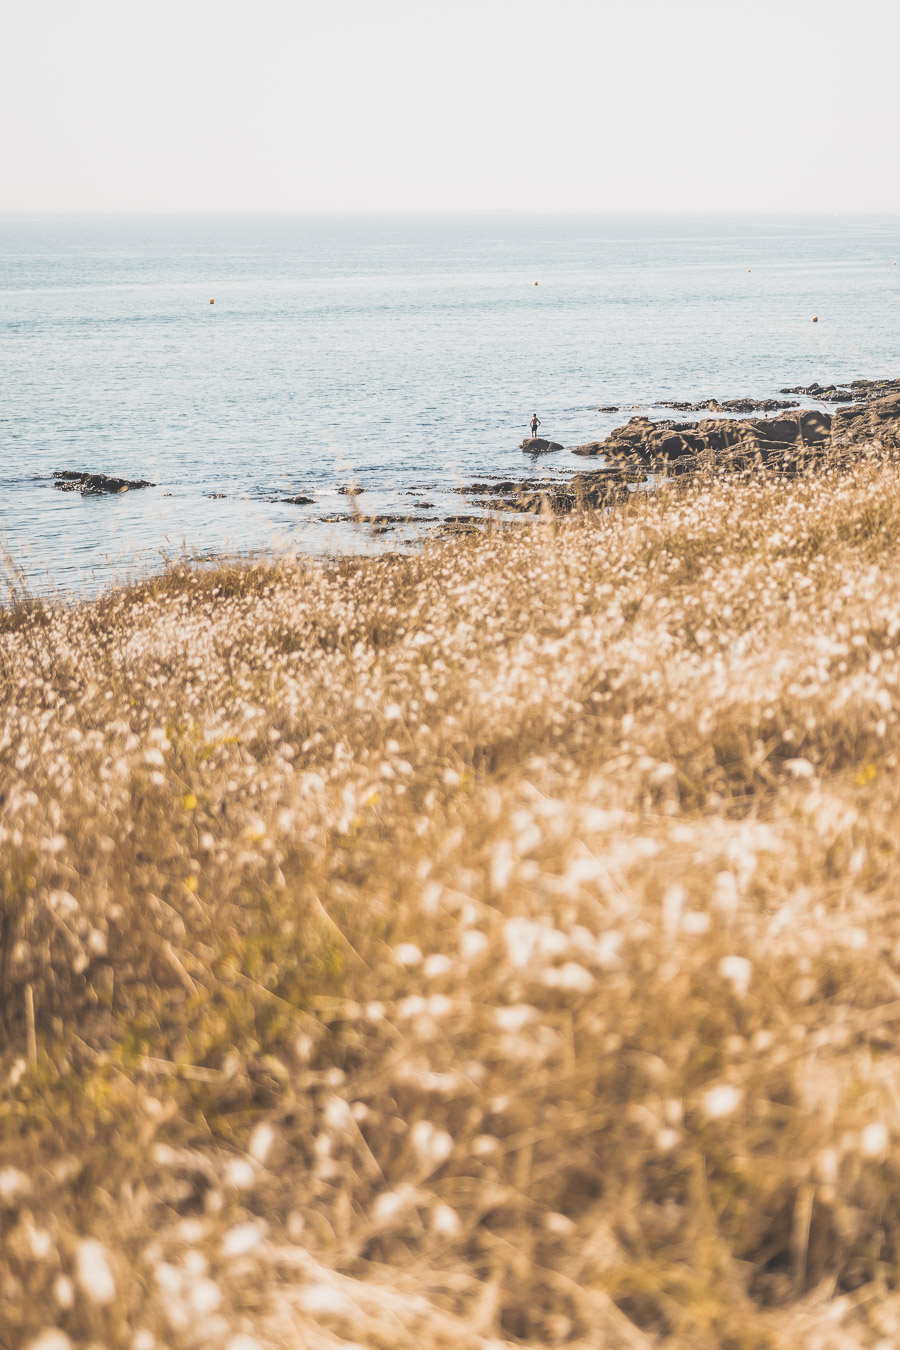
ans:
(493, 947)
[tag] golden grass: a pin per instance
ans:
(493, 947)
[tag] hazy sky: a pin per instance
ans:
(586, 105)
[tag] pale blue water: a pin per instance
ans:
(405, 354)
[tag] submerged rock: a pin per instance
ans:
(95, 484)
(295, 501)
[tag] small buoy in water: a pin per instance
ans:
(749, 269)
(212, 302)
(815, 318)
(535, 283)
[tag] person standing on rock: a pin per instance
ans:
(535, 423)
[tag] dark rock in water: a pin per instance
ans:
(350, 490)
(608, 410)
(857, 391)
(295, 501)
(96, 484)
(536, 445)
(216, 496)
(737, 405)
(502, 486)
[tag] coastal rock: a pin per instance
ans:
(856, 391)
(96, 484)
(864, 423)
(536, 445)
(608, 410)
(295, 501)
(736, 405)
(350, 490)
(682, 445)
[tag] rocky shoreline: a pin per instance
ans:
(786, 439)
(787, 443)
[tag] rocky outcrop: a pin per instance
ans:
(597, 488)
(734, 405)
(683, 446)
(294, 501)
(536, 445)
(874, 421)
(96, 484)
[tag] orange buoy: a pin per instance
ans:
(815, 318)
(749, 269)
(212, 302)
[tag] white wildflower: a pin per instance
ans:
(205, 1297)
(240, 1173)
(569, 976)
(387, 1205)
(324, 1299)
(560, 1225)
(720, 1101)
(515, 1017)
(337, 1115)
(472, 944)
(51, 1339)
(261, 1141)
(672, 905)
(445, 1221)
(737, 970)
(407, 954)
(13, 1184)
(64, 1291)
(242, 1238)
(436, 965)
(873, 1141)
(432, 1145)
(92, 1270)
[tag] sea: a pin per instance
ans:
(238, 361)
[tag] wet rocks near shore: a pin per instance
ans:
(96, 484)
(787, 444)
(857, 391)
(294, 501)
(734, 405)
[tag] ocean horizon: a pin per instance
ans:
(404, 355)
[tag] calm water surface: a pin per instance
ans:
(404, 354)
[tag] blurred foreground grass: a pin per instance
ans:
(499, 946)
